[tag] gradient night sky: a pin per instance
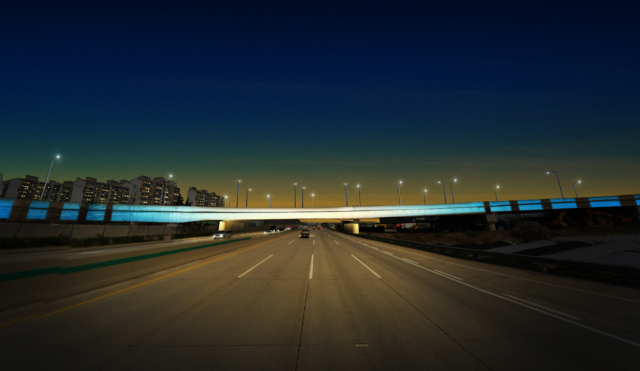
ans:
(325, 94)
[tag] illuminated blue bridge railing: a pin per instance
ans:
(19, 210)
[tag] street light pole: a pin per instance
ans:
(303, 196)
(444, 194)
(557, 177)
(494, 191)
(295, 191)
(165, 189)
(453, 200)
(313, 195)
(424, 196)
(47, 181)
(269, 200)
(574, 187)
(359, 199)
(227, 201)
(346, 195)
(399, 198)
(238, 193)
(247, 201)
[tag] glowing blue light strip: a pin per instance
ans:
(38, 210)
(96, 212)
(5, 208)
(70, 211)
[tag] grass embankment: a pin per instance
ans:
(522, 234)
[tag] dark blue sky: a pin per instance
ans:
(324, 93)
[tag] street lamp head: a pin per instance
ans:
(58, 156)
(295, 183)
(497, 186)
(313, 195)
(345, 184)
(268, 196)
(304, 187)
(400, 182)
(425, 190)
(579, 181)
(358, 185)
(249, 188)
(439, 181)
(455, 180)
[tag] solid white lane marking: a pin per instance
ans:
(240, 276)
(290, 242)
(336, 242)
(543, 307)
(508, 275)
(311, 269)
(450, 275)
(537, 309)
(409, 261)
(366, 266)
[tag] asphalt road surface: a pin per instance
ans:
(331, 302)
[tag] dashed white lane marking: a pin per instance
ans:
(543, 307)
(290, 242)
(508, 275)
(240, 276)
(449, 275)
(377, 275)
(336, 242)
(520, 302)
(314, 242)
(311, 269)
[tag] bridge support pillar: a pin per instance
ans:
(221, 226)
(490, 222)
(352, 227)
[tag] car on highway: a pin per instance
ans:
(221, 234)
(269, 231)
(304, 233)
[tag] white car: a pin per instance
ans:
(221, 234)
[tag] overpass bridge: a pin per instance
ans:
(61, 212)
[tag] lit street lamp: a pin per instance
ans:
(359, 199)
(399, 198)
(49, 173)
(238, 193)
(424, 196)
(557, 177)
(295, 191)
(453, 200)
(443, 192)
(269, 200)
(313, 195)
(165, 189)
(494, 191)
(227, 201)
(247, 201)
(346, 195)
(303, 196)
(574, 187)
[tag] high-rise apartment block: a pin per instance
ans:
(204, 198)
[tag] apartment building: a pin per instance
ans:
(204, 198)
(28, 188)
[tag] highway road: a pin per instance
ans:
(331, 302)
